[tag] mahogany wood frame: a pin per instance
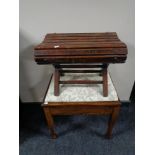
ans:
(59, 71)
(110, 108)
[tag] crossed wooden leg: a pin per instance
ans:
(105, 80)
(56, 81)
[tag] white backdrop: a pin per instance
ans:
(38, 17)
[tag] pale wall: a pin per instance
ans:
(38, 17)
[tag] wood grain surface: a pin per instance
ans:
(80, 48)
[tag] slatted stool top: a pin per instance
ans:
(81, 48)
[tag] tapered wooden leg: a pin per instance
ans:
(56, 81)
(105, 82)
(50, 122)
(112, 121)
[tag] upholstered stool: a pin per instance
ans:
(81, 99)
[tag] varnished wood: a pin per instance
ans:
(80, 82)
(60, 72)
(82, 108)
(78, 110)
(47, 87)
(56, 81)
(68, 48)
(80, 71)
(50, 122)
(81, 34)
(73, 48)
(81, 59)
(80, 66)
(105, 82)
(87, 51)
(82, 104)
(112, 120)
(70, 45)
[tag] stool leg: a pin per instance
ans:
(112, 121)
(56, 81)
(105, 82)
(50, 122)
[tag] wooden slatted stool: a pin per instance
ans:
(73, 48)
(81, 99)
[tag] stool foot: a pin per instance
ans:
(54, 135)
(112, 121)
(50, 122)
(108, 135)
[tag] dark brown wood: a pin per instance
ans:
(83, 104)
(81, 108)
(75, 108)
(69, 48)
(80, 48)
(81, 59)
(80, 34)
(105, 82)
(80, 66)
(73, 48)
(56, 81)
(60, 72)
(112, 121)
(80, 45)
(88, 51)
(80, 82)
(80, 71)
(47, 87)
(50, 122)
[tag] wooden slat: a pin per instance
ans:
(80, 45)
(80, 82)
(81, 66)
(81, 59)
(92, 51)
(83, 40)
(80, 71)
(83, 56)
(81, 34)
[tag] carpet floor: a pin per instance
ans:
(77, 135)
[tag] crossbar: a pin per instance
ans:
(80, 71)
(80, 82)
(81, 66)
